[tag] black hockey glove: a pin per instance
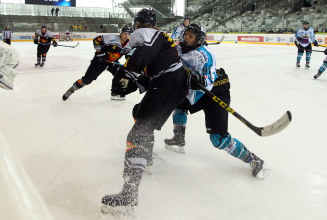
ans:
(36, 41)
(315, 43)
(194, 79)
(123, 83)
(54, 43)
(100, 57)
(299, 39)
(220, 72)
(325, 52)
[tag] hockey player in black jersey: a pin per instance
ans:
(154, 53)
(109, 49)
(200, 61)
(43, 39)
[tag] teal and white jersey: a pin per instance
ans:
(308, 36)
(178, 33)
(202, 61)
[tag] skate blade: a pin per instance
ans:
(179, 150)
(264, 172)
(120, 211)
(116, 98)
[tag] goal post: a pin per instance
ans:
(19, 197)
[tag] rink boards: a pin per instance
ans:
(273, 39)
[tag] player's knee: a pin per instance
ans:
(220, 141)
(179, 117)
(86, 80)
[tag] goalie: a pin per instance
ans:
(67, 36)
(9, 59)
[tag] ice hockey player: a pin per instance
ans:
(201, 63)
(322, 67)
(154, 53)
(9, 59)
(43, 39)
(6, 35)
(179, 31)
(67, 36)
(109, 49)
(305, 36)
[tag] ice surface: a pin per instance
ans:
(74, 150)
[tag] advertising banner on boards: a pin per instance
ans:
(68, 3)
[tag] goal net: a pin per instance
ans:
(66, 36)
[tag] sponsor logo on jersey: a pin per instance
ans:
(113, 40)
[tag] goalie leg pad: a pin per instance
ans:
(7, 77)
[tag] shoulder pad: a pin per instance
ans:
(143, 36)
(193, 60)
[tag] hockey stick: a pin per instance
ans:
(221, 40)
(297, 45)
(69, 46)
(269, 130)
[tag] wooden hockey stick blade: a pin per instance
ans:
(278, 126)
(76, 44)
(218, 42)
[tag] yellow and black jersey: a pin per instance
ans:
(111, 45)
(46, 38)
(153, 52)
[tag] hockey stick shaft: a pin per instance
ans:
(221, 40)
(274, 128)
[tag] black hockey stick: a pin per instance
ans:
(269, 130)
(297, 45)
(221, 40)
(68, 46)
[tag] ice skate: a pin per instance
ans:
(177, 143)
(122, 203)
(37, 63)
(307, 65)
(259, 169)
(68, 93)
(317, 75)
(42, 64)
(117, 97)
(298, 65)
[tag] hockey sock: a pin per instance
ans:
(38, 58)
(179, 117)
(78, 84)
(44, 57)
(231, 145)
(299, 56)
(323, 67)
(308, 57)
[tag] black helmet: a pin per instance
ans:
(186, 19)
(126, 29)
(145, 15)
(200, 33)
(305, 22)
(43, 26)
